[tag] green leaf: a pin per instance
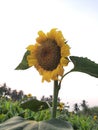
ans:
(34, 105)
(24, 63)
(19, 123)
(85, 65)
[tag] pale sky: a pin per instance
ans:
(20, 20)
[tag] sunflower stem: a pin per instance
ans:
(55, 97)
(63, 77)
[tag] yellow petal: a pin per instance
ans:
(52, 33)
(60, 70)
(64, 61)
(65, 50)
(33, 48)
(42, 37)
(59, 39)
(54, 74)
(46, 76)
(41, 70)
(57, 72)
(31, 61)
(30, 47)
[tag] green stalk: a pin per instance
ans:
(55, 97)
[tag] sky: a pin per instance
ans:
(20, 20)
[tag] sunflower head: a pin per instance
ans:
(49, 54)
(29, 95)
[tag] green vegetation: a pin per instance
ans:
(81, 119)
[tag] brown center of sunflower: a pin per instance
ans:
(48, 55)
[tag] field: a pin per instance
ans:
(85, 119)
(13, 103)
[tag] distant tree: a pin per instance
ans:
(14, 95)
(20, 95)
(84, 106)
(4, 90)
(49, 99)
(8, 93)
(76, 108)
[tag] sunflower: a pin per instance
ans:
(49, 54)
(29, 95)
(61, 106)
